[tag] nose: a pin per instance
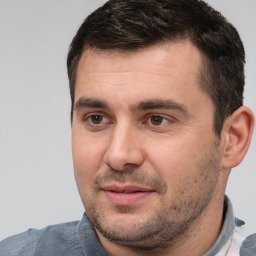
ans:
(125, 148)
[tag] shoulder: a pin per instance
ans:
(55, 238)
(248, 247)
(15, 244)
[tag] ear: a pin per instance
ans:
(237, 134)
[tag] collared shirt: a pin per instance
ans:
(79, 239)
(230, 241)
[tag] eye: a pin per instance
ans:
(157, 120)
(97, 119)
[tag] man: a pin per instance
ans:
(157, 124)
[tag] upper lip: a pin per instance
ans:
(125, 188)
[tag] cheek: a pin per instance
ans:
(178, 164)
(171, 158)
(87, 156)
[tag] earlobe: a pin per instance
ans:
(237, 134)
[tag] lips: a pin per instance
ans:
(127, 194)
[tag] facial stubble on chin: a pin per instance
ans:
(164, 227)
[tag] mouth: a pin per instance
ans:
(127, 194)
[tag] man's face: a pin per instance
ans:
(146, 159)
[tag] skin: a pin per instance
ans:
(141, 122)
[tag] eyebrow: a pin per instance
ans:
(161, 104)
(90, 103)
(142, 105)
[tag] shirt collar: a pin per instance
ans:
(227, 228)
(89, 240)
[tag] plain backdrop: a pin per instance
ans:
(37, 186)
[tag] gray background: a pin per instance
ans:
(37, 186)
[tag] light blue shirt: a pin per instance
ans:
(79, 239)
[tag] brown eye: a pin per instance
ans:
(156, 120)
(96, 119)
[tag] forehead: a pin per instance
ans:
(159, 59)
(170, 68)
